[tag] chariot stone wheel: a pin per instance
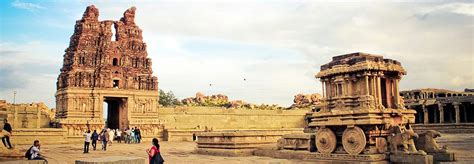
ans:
(325, 141)
(353, 140)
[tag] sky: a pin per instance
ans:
(277, 46)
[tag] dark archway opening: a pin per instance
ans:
(419, 116)
(383, 92)
(115, 113)
(115, 62)
(433, 114)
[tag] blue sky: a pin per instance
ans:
(277, 46)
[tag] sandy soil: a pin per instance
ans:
(182, 152)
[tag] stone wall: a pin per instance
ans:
(32, 115)
(181, 123)
(229, 119)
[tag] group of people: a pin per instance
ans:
(108, 136)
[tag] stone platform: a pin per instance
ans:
(44, 135)
(234, 143)
(445, 127)
(112, 160)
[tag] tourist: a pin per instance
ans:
(6, 134)
(118, 133)
(34, 152)
(124, 135)
(104, 136)
(129, 134)
(139, 135)
(87, 141)
(94, 138)
(132, 135)
(111, 136)
(154, 155)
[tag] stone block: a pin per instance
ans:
(112, 160)
(443, 157)
(225, 152)
(411, 158)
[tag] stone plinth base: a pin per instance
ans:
(44, 135)
(296, 141)
(443, 157)
(236, 139)
(24, 161)
(10, 153)
(411, 158)
(323, 158)
(112, 160)
(226, 152)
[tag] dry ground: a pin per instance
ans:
(182, 152)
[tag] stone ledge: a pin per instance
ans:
(411, 159)
(225, 152)
(112, 160)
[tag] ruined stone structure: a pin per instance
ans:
(102, 67)
(440, 105)
(32, 115)
(361, 103)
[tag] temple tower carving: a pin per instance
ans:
(107, 71)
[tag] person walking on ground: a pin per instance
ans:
(132, 135)
(139, 135)
(129, 134)
(154, 155)
(94, 138)
(111, 136)
(87, 141)
(34, 152)
(6, 134)
(104, 136)
(119, 135)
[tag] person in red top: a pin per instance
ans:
(154, 155)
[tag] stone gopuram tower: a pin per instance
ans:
(106, 68)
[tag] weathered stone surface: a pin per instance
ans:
(112, 160)
(202, 100)
(443, 157)
(234, 143)
(410, 158)
(102, 67)
(306, 100)
(31, 115)
(440, 106)
(361, 103)
(297, 141)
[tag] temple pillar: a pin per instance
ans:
(15, 118)
(397, 94)
(456, 111)
(441, 113)
(379, 90)
(322, 84)
(425, 115)
(349, 86)
(367, 85)
(38, 116)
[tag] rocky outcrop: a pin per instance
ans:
(306, 100)
(203, 100)
(221, 100)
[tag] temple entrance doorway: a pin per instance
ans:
(115, 112)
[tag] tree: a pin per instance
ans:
(168, 99)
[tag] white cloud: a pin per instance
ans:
(436, 50)
(457, 8)
(27, 6)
